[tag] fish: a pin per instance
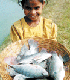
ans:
(32, 43)
(56, 69)
(38, 57)
(33, 48)
(20, 77)
(40, 61)
(32, 63)
(11, 71)
(66, 58)
(23, 50)
(29, 70)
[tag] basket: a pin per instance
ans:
(50, 45)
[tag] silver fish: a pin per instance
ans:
(32, 43)
(11, 71)
(33, 47)
(56, 69)
(23, 50)
(20, 77)
(29, 70)
(38, 57)
(66, 58)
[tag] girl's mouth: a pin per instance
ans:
(33, 16)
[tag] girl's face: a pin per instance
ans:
(33, 9)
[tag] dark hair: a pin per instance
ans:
(24, 1)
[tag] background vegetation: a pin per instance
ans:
(59, 12)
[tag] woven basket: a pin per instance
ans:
(14, 48)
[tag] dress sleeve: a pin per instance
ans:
(54, 31)
(14, 34)
(50, 29)
(17, 32)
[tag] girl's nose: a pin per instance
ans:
(33, 11)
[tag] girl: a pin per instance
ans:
(33, 25)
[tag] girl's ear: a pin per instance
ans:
(22, 7)
(43, 4)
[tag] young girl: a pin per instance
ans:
(33, 25)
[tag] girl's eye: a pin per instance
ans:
(36, 8)
(27, 7)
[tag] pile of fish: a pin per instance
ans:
(30, 63)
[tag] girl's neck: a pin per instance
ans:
(32, 23)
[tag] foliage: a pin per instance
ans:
(59, 12)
